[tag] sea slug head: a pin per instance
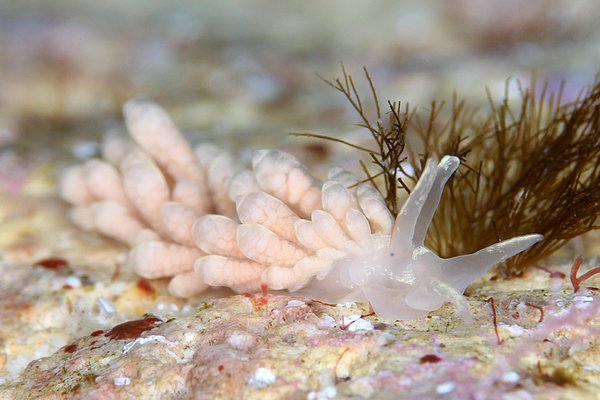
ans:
(404, 279)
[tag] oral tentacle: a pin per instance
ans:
(447, 166)
(406, 221)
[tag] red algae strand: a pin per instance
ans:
(259, 302)
(539, 308)
(133, 329)
(430, 358)
(577, 280)
(71, 348)
(97, 333)
(52, 263)
(490, 301)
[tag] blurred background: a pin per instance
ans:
(244, 72)
(239, 73)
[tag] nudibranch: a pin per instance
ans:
(338, 242)
(197, 216)
(148, 193)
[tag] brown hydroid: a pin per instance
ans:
(528, 166)
(387, 130)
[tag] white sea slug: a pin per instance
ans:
(338, 242)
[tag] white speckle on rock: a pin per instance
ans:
(560, 304)
(513, 330)
(345, 305)
(106, 306)
(144, 340)
(582, 301)
(241, 340)
(385, 338)
(295, 303)
(262, 378)
(122, 381)
(326, 322)
(73, 281)
(445, 388)
(167, 307)
(325, 394)
(189, 337)
(356, 323)
(510, 377)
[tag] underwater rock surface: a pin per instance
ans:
(276, 347)
(74, 324)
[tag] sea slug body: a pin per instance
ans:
(197, 216)
(344, 246)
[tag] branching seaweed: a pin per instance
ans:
(388, 132)
(534, 168)
(530, 168)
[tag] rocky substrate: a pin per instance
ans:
(275, 347)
